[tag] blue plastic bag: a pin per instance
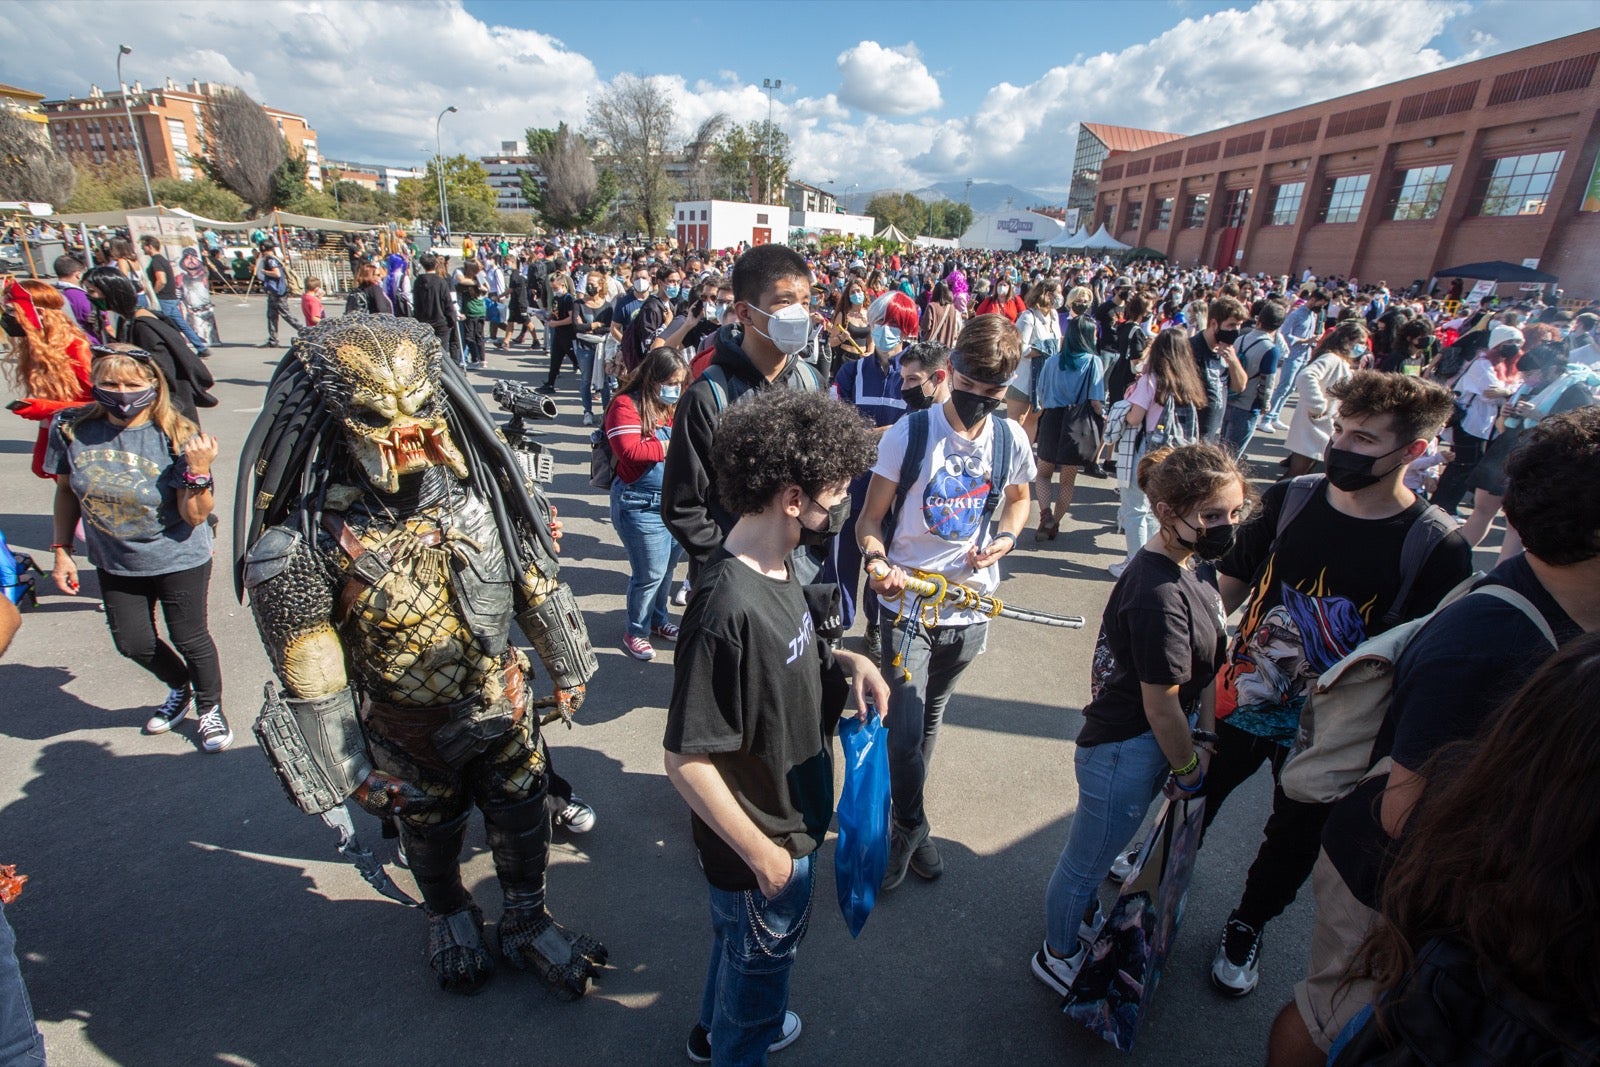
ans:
(863, 850)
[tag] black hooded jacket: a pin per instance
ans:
(689, 505)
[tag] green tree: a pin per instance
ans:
(467, 191)
(753, 161)
(903, 210)
(951, 218)
(201, 196)
(289, 181)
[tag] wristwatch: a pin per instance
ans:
(198, 482)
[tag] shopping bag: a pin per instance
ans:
(1112, 992)
(863, 850)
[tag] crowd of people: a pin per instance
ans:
(813, 432)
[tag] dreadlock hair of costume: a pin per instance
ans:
(39, 363)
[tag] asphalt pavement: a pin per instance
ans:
(181, 911)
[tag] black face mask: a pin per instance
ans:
(972, 408)
(916, 398)
(1211, 543)
(13, 328)
(1226, 337)
(838, 515)
(1352, 472)
(124, 406)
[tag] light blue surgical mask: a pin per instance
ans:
(858, 298)
(669, 394)
(673, 291)
(886, 338)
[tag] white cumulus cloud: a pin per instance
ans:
(887, 81)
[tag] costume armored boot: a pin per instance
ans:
(530, 940)
(456, 951)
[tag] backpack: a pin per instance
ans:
(911, 466)
(602, 461)
(1347, 704)
(1259, 381)
(725, 391)
(292, 279)
(1451, 1009)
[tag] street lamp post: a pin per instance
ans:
(769, 84)
(438, 165)
(144, 172)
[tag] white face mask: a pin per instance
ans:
(641, 285)
(790, 327)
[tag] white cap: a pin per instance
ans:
(1500, 333)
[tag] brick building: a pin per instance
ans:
(1098, 144)
(93, 129)
(1482, 161)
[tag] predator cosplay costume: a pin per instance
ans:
(388, 538)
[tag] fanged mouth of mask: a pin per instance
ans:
(411, 448)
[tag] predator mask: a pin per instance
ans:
(380, 377)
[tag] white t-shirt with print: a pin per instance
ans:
(943, 506)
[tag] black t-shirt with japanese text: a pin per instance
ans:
(1162, 626)
(1325, 589)
(747, 692)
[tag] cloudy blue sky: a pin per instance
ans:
(875, 94)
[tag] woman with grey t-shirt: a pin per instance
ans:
(139, 476)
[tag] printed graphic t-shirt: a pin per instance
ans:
(1162, 626)
(1324, 590)
(945, 502)
(127, 483)
(747, 692)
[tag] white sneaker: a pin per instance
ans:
(1116, 569)
(1122, 866)
(577, 817)
(588, 419)
(681, 597)
(1056, 972)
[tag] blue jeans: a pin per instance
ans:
(935, 659)
(591, 361)
(753, 945)
(20, 1042)
(1116, 782)
(1134, 517)
(636, 514)
(1286, 376)
(1238, 427)
(173, 309)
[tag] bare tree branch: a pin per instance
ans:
(243, 147)
(633, 119)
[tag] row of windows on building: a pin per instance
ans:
(1511, 185)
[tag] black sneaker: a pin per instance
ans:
(548, 389)
(902, 843)
(1237, 969)
(214, 733)
(699, 1047)
(172, 711)
(872, 643)
(925, 860)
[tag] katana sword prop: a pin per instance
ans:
(935, 591)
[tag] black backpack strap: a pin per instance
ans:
(999, 471)
(1425, 534)
(910, 467)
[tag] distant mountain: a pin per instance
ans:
(984, 196)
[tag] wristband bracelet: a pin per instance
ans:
(69, 548)
(1190, 767)
(1190, 789)
(870, 556)
(1205, 737)
(1003, 533)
